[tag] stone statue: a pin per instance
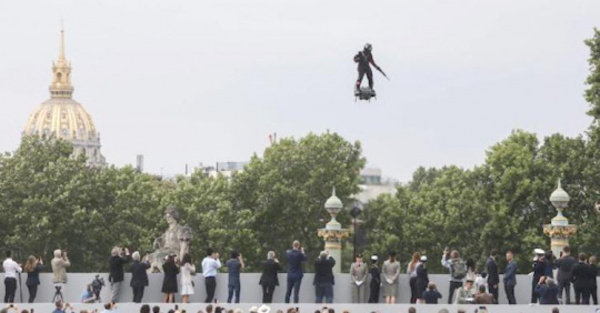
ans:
(175, 240)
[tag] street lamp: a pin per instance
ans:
(355, 212)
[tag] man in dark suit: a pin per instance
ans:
(510, 278)
(581, 280)
(539, 269)
(324, 277)
(565, 266)
(117, 260)
(139, 277)
(493, 278)
(295, 257)
(268, 279)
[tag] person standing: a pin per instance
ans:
(422, 279)
(210, 266)
(493, 278)
(539, 270)
(188, 270)
(11, 268)
(269, 279)
(33, 268)
(59, 264)
(323, 279)
(295, 257)
(139, 277)
(364, 59)
(510, 278)
(234, 266)
(375, 280)
(411, 270)
(169, 285)
(564, 274)
(593, 280)
(391, 272)
(471, 270)
(481, 280)
(358, 278)
(550, 264)
(118, 258)
(581, 281)
(458, 270)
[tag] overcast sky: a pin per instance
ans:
(205, 81)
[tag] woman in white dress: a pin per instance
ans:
(188, 270)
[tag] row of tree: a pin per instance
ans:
(50, 200)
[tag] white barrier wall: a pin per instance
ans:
(251, 292)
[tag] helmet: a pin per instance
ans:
(368, 47)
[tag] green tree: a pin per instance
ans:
(592, 94)
(285, 190)
(207, 207)
(49, 200)
(38, 187)
(590, 192)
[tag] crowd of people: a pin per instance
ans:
(467, 283)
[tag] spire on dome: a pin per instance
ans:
(61, 73)
(61, 52)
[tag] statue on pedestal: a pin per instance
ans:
(174, 241)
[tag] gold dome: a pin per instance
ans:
(63, 117)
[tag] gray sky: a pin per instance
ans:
(205, 81)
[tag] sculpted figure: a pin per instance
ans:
(174, 241)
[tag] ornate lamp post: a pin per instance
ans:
(559, 228)
(333, 232)
(355, 212)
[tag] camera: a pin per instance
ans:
(97, 285)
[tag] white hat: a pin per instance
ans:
(264, 309)
(254, 309)
(374, 258)
(424, 258)
(539, 251)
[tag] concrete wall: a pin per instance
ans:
(251, 292)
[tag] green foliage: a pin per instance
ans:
(592, 94)
(285, 191)
(50, 200)
(502, 204)
(207, 207)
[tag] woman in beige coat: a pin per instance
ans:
(390, 272)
